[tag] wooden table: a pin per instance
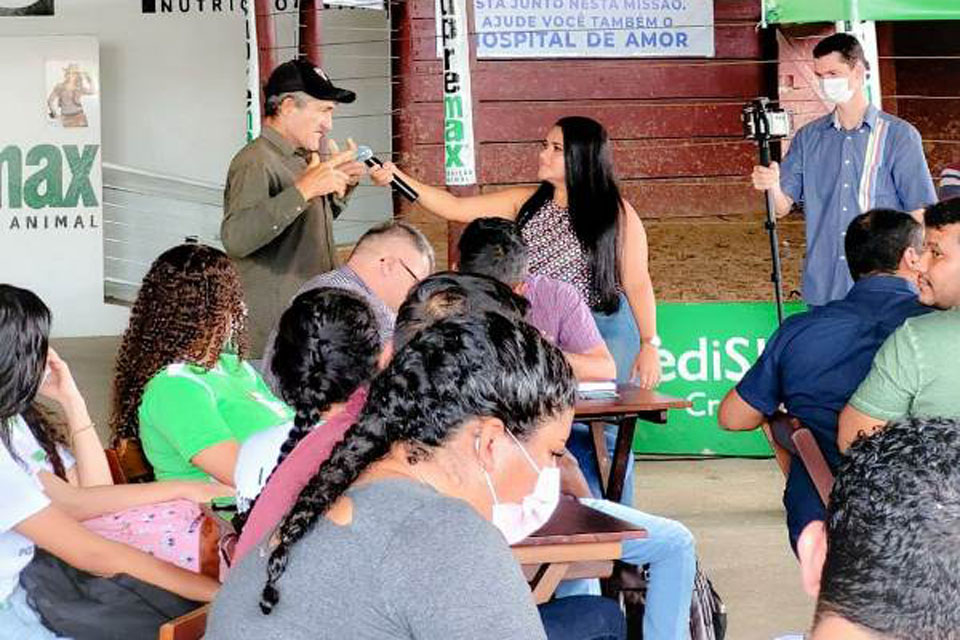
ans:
(577, 542)
(632, 404)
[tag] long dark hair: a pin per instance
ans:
(189, 303)
(24, 336)
(327, 345)
(593, 200)
(451, 371)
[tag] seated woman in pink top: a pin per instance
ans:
(327, 348)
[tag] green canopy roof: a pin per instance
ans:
(835, 10)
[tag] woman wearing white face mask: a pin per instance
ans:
(392, 537)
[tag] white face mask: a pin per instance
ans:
(517, 521)
(836, 90)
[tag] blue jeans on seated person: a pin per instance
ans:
(801, 501)
(19, 620)
(669, 549)
(583, 618)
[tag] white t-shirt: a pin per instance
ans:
(256, 461)
(22, 496)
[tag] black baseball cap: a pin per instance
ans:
(302, 75)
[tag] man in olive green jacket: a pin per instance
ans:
(280, 199)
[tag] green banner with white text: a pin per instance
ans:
(834, 10)
(707, 348)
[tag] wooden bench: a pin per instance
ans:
(789, 433)
(190, 626)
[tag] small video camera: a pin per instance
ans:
(762, 121)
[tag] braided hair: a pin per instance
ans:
(189, 306)
(24, 336)
(327, 345)
(455, 369)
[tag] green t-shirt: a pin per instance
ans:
(186, 409)
(916, 372)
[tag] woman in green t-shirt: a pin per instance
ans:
(182, 389)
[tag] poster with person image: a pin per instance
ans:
(26, 8)
(72, 96)
(51, 195)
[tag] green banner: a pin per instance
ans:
(707, 347)
(834, 10)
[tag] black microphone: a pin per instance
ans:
(365, 155)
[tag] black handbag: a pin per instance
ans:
(79, 605)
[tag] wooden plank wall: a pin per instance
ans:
(927, 86)
(675, 122)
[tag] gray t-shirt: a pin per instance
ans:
(412, 564)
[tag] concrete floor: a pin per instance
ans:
(731, 505)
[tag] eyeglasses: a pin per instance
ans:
(403, 264)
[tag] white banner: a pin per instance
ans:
(51, 187)
(459, 159)
(594, 28)
(253, 73)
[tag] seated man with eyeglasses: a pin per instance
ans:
(387, 261)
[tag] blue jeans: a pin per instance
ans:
(583, 618)
(619, 331)
(669, 550)
(19, 620)
(801, 501)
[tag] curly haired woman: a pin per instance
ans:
(182, 387)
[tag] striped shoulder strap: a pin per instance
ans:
(871, 164)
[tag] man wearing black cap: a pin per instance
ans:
(280, 200)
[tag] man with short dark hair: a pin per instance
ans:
(814, 362)
(494, 247)
(917, 371)
(849, 161)
(885, 564)
(280, 199)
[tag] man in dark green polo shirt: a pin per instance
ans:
(280, 199)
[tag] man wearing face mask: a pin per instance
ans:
(845, 163)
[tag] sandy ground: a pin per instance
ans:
(721, 258)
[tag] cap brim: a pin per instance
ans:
(343, 95)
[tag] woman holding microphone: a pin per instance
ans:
(579, 230)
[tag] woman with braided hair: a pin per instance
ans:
(182, 388)
(454, 292)
(326, 349)
(392, 538)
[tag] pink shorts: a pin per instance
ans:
(168, 531)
